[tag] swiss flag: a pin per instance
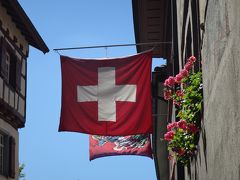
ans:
(110, 97)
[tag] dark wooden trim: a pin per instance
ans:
(3, 89)
(154, 138)
(22, 21)
(12, 150)
(158, 77)
(8, 95)
(6, 155)
(20, 95)
(10, 115)
(13, 43)
(183, 40)
(25, 97)
(17, 108)
(14, 94)
(196, 33)
(188, 41)
(15, 40)
(180, 172)
(175, 61)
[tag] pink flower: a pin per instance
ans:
(184, 72)
(182, 124)
(179, 93)
(176, 102)
(192, 128)
(166, 83)
(181, 151)
(192, 59)
(171, 81)
(167, 94)
(188, 65)
(169, 135)
(178, 78)
(171, 126)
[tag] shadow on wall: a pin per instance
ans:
(194, 161)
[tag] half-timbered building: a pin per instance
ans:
(16, 34)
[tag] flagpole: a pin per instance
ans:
(112, 45)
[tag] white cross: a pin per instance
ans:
(106, 93)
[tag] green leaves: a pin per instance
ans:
(188, 98)
(21, 174)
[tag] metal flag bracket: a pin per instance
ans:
(154, 44)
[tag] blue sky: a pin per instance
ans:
(48, 154)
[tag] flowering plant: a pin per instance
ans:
(185, 90)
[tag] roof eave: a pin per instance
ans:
(25, 25)
(152, 23)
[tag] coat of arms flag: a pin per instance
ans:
(110, 97)
(103, 146)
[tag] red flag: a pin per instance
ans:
(102, 146)
(107, 97)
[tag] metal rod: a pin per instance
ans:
(112, 45)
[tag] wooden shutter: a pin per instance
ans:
(4, 62)
(12, 147)
(18, 75)
(6, 156)
(12, 72)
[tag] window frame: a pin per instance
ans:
(8, 159)
(11, 76)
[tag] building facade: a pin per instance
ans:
(16, 34)
(209, 30)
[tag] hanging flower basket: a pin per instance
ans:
(185, 90)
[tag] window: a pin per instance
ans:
(7, 155)
(10, 66)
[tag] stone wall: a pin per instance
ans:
(219, 156)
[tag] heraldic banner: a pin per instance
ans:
(110, 97)
(103, 146)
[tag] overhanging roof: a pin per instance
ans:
(24, 24)
(152, 23)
